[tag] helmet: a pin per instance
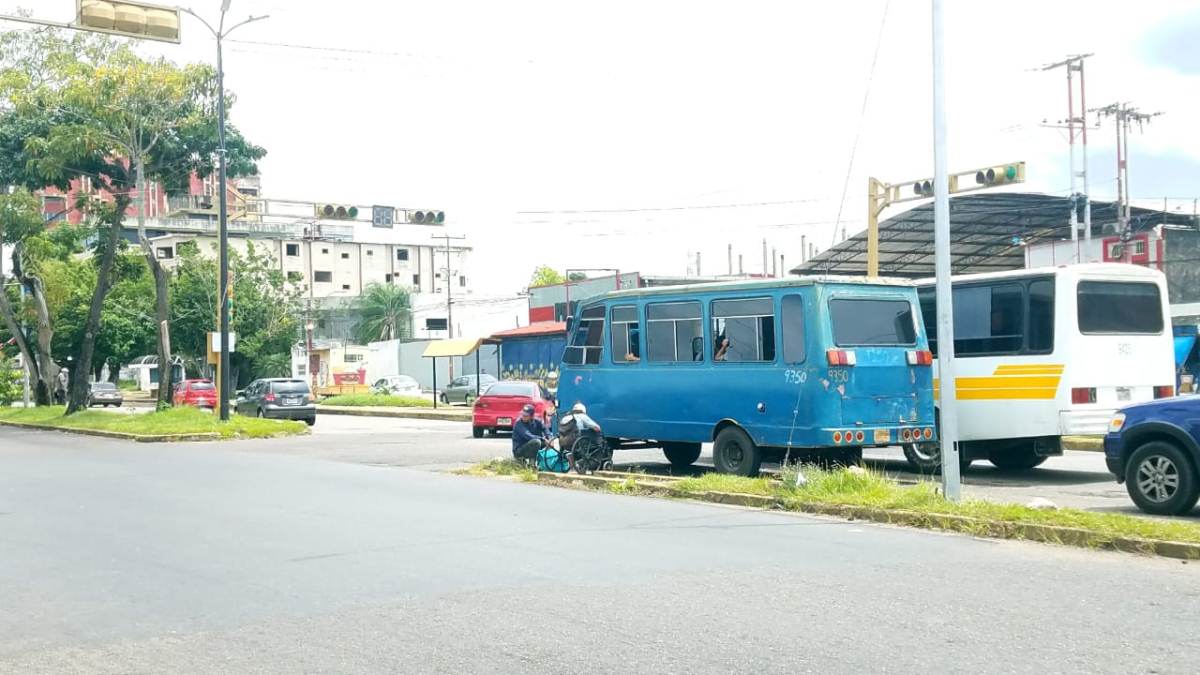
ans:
(579, 408)
(527, 410)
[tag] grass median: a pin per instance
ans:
(378, 400)
(173, 421)
(871, 489)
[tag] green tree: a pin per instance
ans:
(10, 382)
(21, 224)
(545, 275)
(266, 313)
(385, 313)
(121, 120)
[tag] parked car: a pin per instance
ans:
(278, 398)
(463, 389)
(397, 385)
(105, 394)
(501, 403)
(198, 393)
(1154, 448)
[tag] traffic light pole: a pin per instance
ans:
(220, 33)
(948, 427)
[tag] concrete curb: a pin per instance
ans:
(401, 413)
(980, 527)
(140, 438)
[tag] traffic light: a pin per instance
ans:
(382, 216)
(130, 19)
(422, 217)
(999, 175)
(923, 188)
(336, 211)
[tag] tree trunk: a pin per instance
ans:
(162, 307)
(79, 385)
(38, 364)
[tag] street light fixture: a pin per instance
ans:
(220, 33)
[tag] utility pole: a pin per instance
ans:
(764, 258)
(223, 287)
(729, 254)
(449, 303)
(1124, 115)
(1078, 121)
(698, 263)
(948, 431)
(803, 248)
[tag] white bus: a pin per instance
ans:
(1049, 352)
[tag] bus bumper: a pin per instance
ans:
(1085, 422)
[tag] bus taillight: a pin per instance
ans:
(840, 357)
(1164, 391)
(1081, 395)
(920, 358)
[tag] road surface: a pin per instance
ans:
(245, 557)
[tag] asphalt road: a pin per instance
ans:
(247, 557)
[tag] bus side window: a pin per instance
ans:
(743, 330)
(588, 340)
(626, 335)
(792, 320)
(674, 332)
(1041, 315)
(989, 319)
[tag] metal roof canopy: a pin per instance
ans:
(451, 347)
(982, 228)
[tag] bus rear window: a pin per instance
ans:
(1119, 308)
(872, 322)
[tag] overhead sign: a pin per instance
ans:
(214, 341)
(435, 324)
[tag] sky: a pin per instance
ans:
(635, 134)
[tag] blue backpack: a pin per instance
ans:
(549, 459)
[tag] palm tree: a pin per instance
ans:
(385, 313)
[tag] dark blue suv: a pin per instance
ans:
(1154, 448)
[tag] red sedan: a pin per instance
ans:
(198, 393)
(500, 406)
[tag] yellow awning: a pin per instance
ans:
(455, 347)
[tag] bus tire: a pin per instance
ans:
(1016, 457)
(734, 452)
(926, 458)
(681, 455)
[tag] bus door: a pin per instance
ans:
(876, 365)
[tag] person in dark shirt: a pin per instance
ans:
(529, 436)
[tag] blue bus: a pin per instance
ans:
(758, 368)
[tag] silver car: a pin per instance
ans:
(397, 385)
(465, 390)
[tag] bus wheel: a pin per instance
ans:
(1016, 457)
(681, 454)
(927, 457)
(734, 452)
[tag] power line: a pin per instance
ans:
(675, 208)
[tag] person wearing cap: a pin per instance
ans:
(529, 435)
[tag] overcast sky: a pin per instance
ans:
(493, 111)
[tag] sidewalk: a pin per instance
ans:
(448, 413)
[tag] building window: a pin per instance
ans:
(370, 251)
(387, 278)
(674, 332)
(792, 321)
(292, 250)
(416, 280)
(438, 275)
(165, 252)
(588, 340)
(462, 281)
(743, 330)
(345, 287)
(323, 277)
(345, 256)
(354, 358)
(626, 335)
(325, 251)
(54, 206)
(402, 254)
(294, 276)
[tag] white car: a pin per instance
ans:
(397, 385)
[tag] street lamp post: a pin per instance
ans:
(220, 33)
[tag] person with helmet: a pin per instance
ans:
(529, 435)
